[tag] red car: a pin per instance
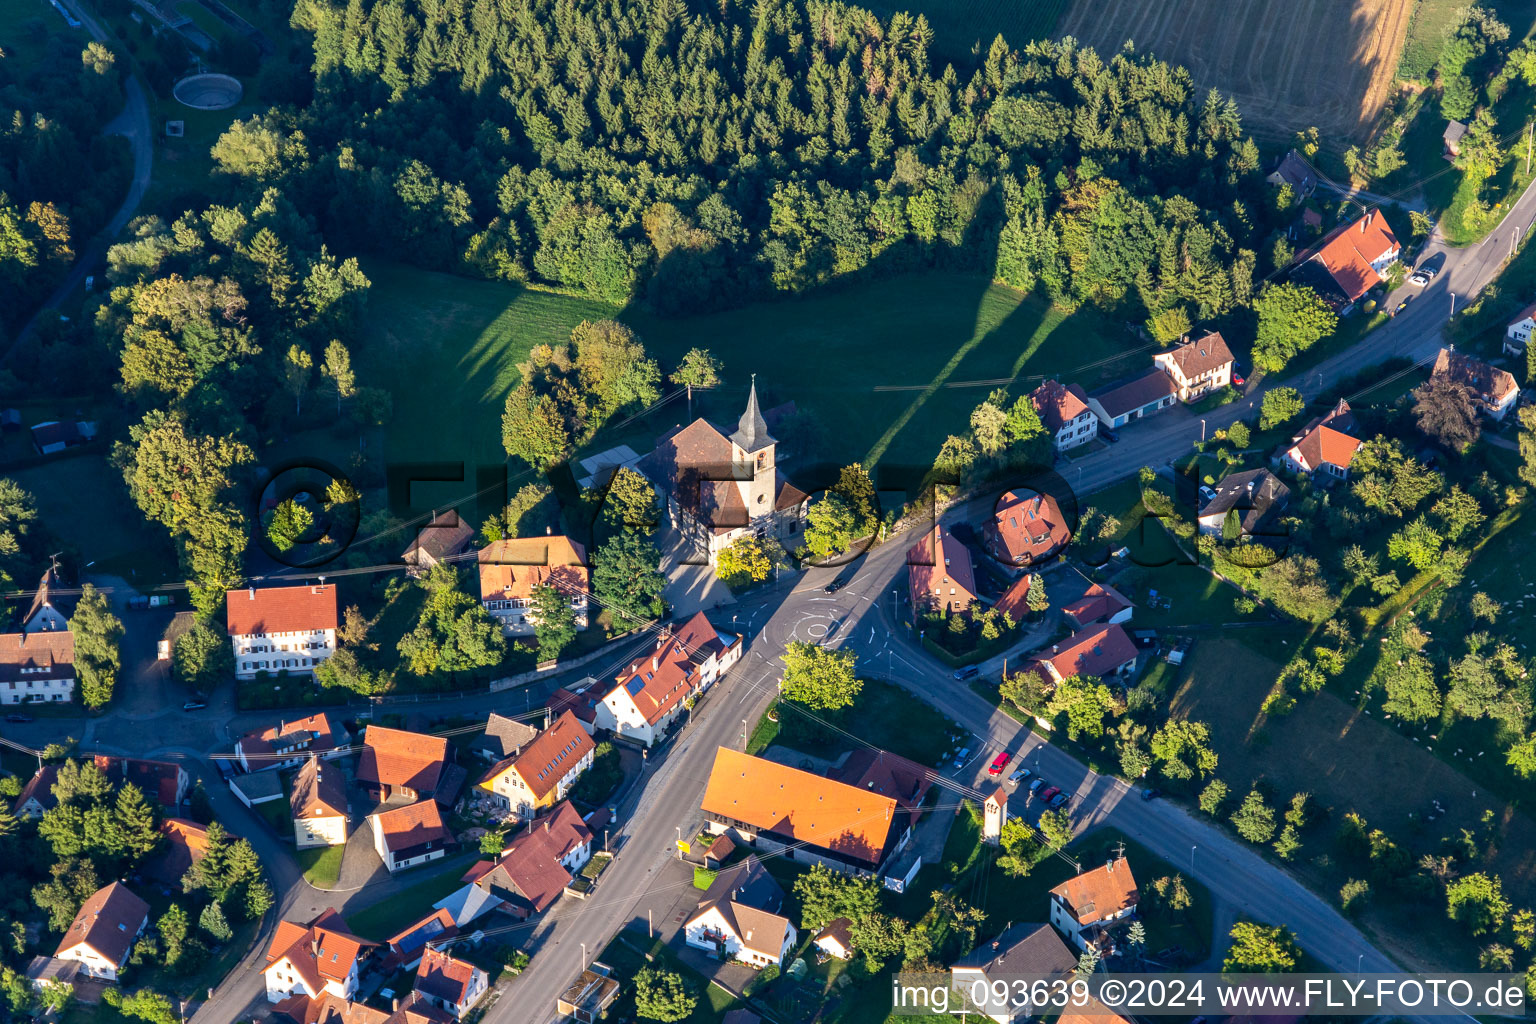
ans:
(1046, 794)
(999, 763)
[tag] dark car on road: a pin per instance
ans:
(194, 705)
(18, 718)
(969, 672)
(835, 585)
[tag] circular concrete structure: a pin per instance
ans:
(208, 92)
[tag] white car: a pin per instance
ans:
(1422, 277)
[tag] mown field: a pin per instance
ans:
(884, 370)
(1311, 62)
(1432, 19)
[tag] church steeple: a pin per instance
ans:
(752, 431)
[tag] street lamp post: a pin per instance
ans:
(1192, 850)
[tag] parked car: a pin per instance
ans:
(1239, 375)
(1402, 305)
(961, 756)
(968, 672)
(1047, 793)
(999, 763)
(1034, 787)
(1019, 775)
(17, 717)
(194, 705)
(837, 584)
(1151, 794)
(1109, 435)
(1059, 800)
(138, 602)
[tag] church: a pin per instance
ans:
(719, 487)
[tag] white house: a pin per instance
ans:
(836, 939)
(281, 629)
(408, 836)
(511, 570)
(102, 935)
(450, 984)
(1064, 411)
(1023, 949)
(313, 960)
(542, 772)
(50, 610)
(37, 668)
(1326, 445)
(652, 692)
(739, 919)
(288, 743)
(1197, 367)
(1495, 391)
(319, 805)
(1518, 333)
(1124, 401)
(1086, 908)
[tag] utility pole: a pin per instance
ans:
(1529, 125)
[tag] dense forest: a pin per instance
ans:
(692, 157)
(60, 179)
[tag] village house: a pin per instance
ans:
(1100, 651)
(1257, 498)
(537, 864)
(54, 436)
(511, 570)
(186, 843)
(331, 1009)
(397, 763)
(163, 781)
(37, 668)
(543, 772)
(1088, 907)
(288, 743)
(36, 797)
(1014, 602)
(452, 985)
(451, 916)
(505, 736)
(590, 995)
(409, 836)
(1293, 170)
(810, 818)
(940, 578)
(1451, 138)
(50, 609)
(1064, 412)
(1123, 401)
(739, 919)
(319, 805)
(717, 488)
(1026, 528)
(1100, 603)
(101, 936)
(1326, 446)
(1349, 262)
(1518, 334)
(1033, 950)
(836, 939)
(281, 629)
(443, 539)
(1495, 390)
(1197, 367)
(652, 693)
(314, 960)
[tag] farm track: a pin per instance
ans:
(1310, 62)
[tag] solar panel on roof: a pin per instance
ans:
(635, 685)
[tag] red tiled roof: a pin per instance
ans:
(1014, 601)
(328, 1008)
(316, 729)
(1347, 254)
(1201, 355)
(440, 976)
(531, 862)
(1058, 404)
(394, 757)
(1025, 528)
(108, 923)
(544, 761)
(582, 705)
(786, 801)
(444, 536)
(40, 788)
(1525, 314)
(51, 652)
(186, 844)
(1100, 893)
(411, 826)
(319, 791)
(269, 610)
(322, 951)
(659, 683)
(158, 780)
(514, 568)
(1099, 602)
(1096, 651)
(931, 575)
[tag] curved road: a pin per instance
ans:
(133, 124)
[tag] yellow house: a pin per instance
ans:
(539, 776)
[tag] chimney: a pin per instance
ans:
(548, 530)
(314, 946)
(253, 593)
(394, 1005)
(546, 824)
(655, 662)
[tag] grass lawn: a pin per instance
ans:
(627, 955)
(891, 359)
(392, 913)
(321, 865)
(884, 715)
(278, 816)
(71, 494)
